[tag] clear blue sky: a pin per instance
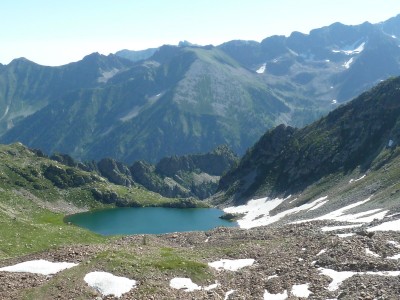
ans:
(55, 32)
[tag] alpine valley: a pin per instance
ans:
(315, 192)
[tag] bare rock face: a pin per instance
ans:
(69, 177)
(115, 171)
(193, 175)
(105, 196)
(144, 174)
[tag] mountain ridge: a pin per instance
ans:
(190, 99)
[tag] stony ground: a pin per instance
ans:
(286, 256)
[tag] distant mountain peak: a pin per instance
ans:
(21, 60)
(182, 99)
(186, 43)
(92, 56)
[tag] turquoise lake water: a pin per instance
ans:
(149, 220)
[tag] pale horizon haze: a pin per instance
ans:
(59, 32)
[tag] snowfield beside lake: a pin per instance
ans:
(257, 213)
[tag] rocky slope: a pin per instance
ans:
(361, 136)
(291, 262)
(195, 175)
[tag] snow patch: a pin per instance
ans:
(293, 52)
(134, 112)
(211, 286)
(228, 293)
(348, 63)
(253, 210)
(392, 215)
(394, 243)
(333, 228)
(321, 252)
(131, 114)
(5, 112)
(394, 257)
(343, 235)
(231, 265)
(387, 226)
(360, 48)
(282, 296)
(358, 179)
(301, 290)
(257, 211)
(371, 253)
(339, 277)
(349, 50)
(272, 276)
(188, 285)
(261, 70)
(318, 205)
(362, 217)
(185, 284)
(40, 266)
(109, 284)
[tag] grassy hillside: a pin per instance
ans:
(36, 193)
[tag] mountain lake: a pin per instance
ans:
(149, 220)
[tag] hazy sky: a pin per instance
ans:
(55, 32)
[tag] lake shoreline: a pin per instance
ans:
(148, 220)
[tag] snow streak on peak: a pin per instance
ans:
(348, 63)
(261, 70)
(349, 50)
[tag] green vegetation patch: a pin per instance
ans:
(22, 233)
(148, 261)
